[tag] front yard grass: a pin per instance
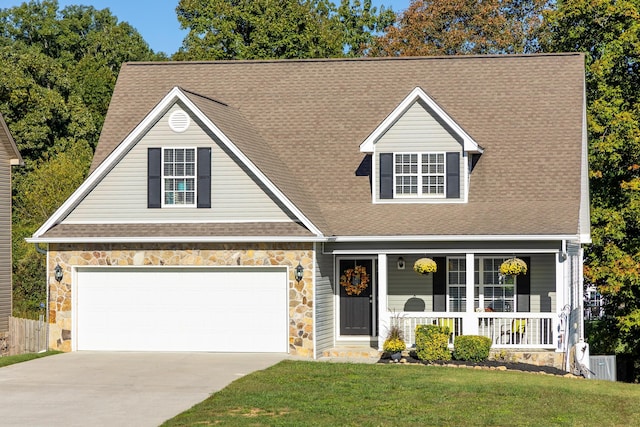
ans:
(296, 393)
(10, 360)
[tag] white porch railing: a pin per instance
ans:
(506, 330)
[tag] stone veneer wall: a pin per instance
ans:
(280, 254)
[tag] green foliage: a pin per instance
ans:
(608, 32)
(59, 68)
(432, 342)
(472, 347)
(264, 29)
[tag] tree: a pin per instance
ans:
(448, 27)
(608, 32)
(58, 72)
(59, 69)
(269, 29)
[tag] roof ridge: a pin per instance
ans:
(203, 96)
(359, 59)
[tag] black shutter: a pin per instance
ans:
(154, 177)
(204, 177)
(523, 286)
(453, 175)
(386, 175)
(440, 285)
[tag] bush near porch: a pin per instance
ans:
(472, 347)
(432, 342)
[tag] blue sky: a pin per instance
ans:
(156, 19)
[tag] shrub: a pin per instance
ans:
(432, 342)
(472, 347)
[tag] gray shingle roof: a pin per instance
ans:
(301, 122)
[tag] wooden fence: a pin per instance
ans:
(27, 336)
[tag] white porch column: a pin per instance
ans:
(469, 325)
(562, 288)
(383, 315)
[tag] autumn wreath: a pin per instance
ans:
(355, 280)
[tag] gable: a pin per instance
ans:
(419, 132)
(121, 196)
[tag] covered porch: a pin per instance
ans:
(525, 312)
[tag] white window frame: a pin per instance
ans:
(479, 300)
(420, 176)
(194, 177)
(461, 286)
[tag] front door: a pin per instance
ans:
(355, 279)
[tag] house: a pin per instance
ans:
(9, 156)
(228, 200)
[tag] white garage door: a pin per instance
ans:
(181, 309)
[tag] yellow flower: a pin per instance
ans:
(425, 265)
(513, 267)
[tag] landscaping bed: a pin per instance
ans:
(411, 358)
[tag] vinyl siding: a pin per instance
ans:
(324, 303)
(121, 196)
(407, 291)
(418, 130)
(543, 283)
(5, 239)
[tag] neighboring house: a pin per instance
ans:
(9, 156)
(213, 183)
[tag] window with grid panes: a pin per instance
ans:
(179, 176)
(456, 278)
(419, 174)
(497, 293)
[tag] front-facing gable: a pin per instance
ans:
(420, 154)
(181, 162)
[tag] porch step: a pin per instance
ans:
(356, 354)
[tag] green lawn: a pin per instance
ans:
(10, 360)
(294, 393)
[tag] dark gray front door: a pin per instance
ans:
(356, 309)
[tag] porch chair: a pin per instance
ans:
(516, 334)
(449, 323)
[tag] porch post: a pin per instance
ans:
(383, 317)
(469, 325)
(561, 290)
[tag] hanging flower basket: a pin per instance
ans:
(355, 280)
(513, 267)
(425, 266)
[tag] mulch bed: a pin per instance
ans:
(487, 364)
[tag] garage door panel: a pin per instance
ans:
(182, 310)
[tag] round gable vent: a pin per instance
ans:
(179, 121)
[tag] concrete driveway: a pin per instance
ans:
(123, 389)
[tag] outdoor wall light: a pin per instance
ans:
(299, 272)
(58, 273)
(401, 263)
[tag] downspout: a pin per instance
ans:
(46, 286)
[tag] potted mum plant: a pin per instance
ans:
(425, 266)
(394, 343)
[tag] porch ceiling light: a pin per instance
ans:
(57, 273)
(299, 272)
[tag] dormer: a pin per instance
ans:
(420, 154)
